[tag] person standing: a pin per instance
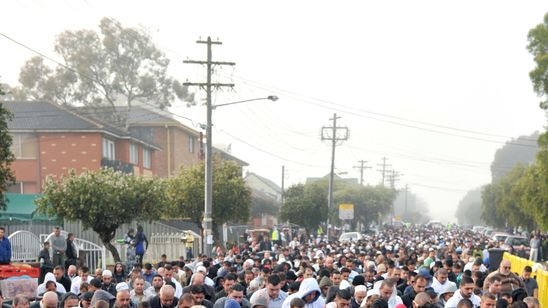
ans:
(531, 285)
(46, 266)
(129, 240)
(5, 247)
(534, 243)
(71, 252)
(58, 245)
(141, 245)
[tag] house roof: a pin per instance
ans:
(227, 156)
(51, 117)
(145, 115)
(266, 181)
(335, 177)
(48, 117)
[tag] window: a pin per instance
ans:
(133, 153)
(24, 145)
(16, 188)
(109, 149)
(191, 144)
(147, 161)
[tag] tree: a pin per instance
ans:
(510, 205)
(532, 188)
(103, 200)
(502, 201)
(103, 69)
(491, 196)
(521, 150)
(534, 185)
(538, 47)
(469, 207)
(370, 202)
(231, 197)
(305, 205)
(7, 177)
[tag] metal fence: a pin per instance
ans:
(148, 228)
(89, 254)
(163, 239)
(25, 246)
(172, 245)
(36, 227)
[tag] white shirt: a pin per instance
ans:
(76, 282)
(468, 266)
(272, 303)
(457, 297)
(178, 288)
(438, 287)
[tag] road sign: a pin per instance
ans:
(346, 211)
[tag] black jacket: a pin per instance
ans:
(111, 288)
(155, 302)
(408, 298)
(71, 252)
(66, 282)
(209, 292)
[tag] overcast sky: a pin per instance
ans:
(434, 86)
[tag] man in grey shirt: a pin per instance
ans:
(58, 247)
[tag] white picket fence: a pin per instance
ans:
(25, 246)
(91, 254)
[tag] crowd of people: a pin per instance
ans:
(414, 267)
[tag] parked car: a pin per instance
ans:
(499, 236)
(488, 231)
(517, 244)
(435, 224)
(350, 237)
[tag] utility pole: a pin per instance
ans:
(383, 170)
(207, 223)
(330, 133)
(362, 167)
(393, 177)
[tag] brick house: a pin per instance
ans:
(181, 145)
(49, 139)
(266, 200)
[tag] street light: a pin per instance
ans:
(208, 223)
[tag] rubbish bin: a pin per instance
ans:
(495, 257)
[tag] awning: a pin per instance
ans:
(21, 207)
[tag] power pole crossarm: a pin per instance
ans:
(208, 63)
(205, 84)
(384, 169)
(362, 168)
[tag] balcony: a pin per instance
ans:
(117, 165)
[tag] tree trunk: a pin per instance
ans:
(106, 237)
(113, 251)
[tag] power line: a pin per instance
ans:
(344, 109)
(383, 114)
(269, 153)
